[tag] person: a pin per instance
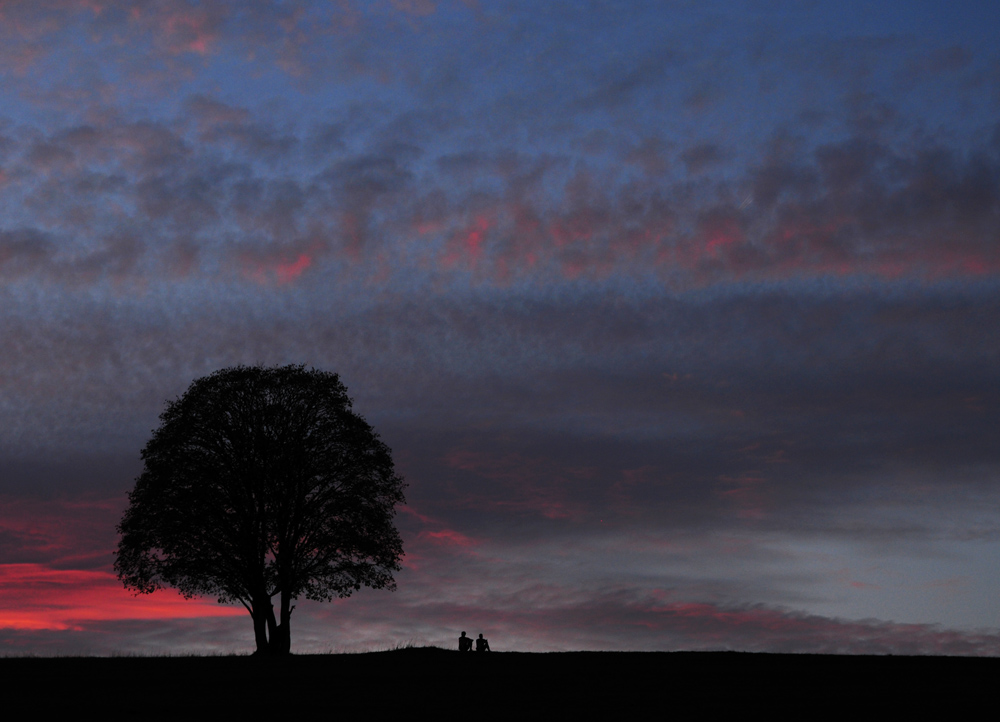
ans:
(482, 645)
(465, 643)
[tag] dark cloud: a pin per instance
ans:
(951, 59)
(619, 84)
(23, 251)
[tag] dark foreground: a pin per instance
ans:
(510, 684)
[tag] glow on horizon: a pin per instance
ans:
(35, 597)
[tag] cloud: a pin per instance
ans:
(619, 84)
(279, 265)
(415, 7)
(206, 635)
(381, 182)
(651, 624)
(35, 598)
(946, 60)
(68, 532)
(23, 252)
(701, 156)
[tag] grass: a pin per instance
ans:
(404, 677)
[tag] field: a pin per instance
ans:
(501, 684)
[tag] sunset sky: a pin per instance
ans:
(682, 319)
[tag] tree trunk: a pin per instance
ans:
(273, 639)
(262, 609)
(272, 631)
(281, 641)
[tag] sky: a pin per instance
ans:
(680, 318)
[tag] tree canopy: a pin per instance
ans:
(261, 482)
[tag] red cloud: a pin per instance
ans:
(467, 243)
(57, 532)
(278, 265)
(33, 596)
(290, 271)
(434, 540)
(440, 535)
(449, 537)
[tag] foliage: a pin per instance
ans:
(262, 482)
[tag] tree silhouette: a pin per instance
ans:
(262, 482)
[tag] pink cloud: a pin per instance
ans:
(60, 531)
(33, 596)
(466, 244)
(449, 537)
(287, 272)
(433, 541)
(721, 234)
(436, 531)
(281, 265)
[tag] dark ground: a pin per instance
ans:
(502, 684)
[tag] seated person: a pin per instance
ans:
(465, 643)
(482, 645)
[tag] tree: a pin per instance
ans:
(262, 482)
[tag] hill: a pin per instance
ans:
(446, 682)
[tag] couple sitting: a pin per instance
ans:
(465, 644)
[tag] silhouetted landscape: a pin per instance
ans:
(430, 679)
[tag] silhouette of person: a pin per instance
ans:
(482, 645)
(465, 643)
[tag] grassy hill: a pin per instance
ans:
(500, 684)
